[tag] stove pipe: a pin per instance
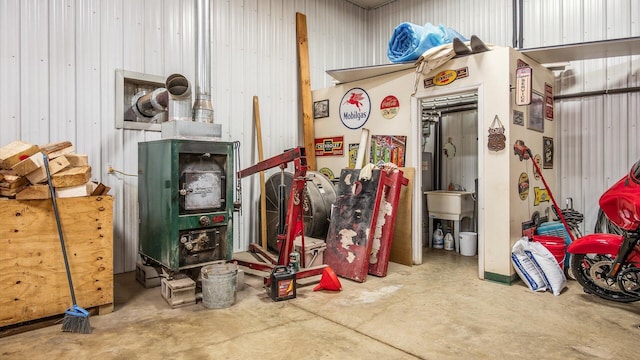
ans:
(202, 108)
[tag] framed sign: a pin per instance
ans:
(518, 118)
(321, 109)
(547, 152)
(536, 112)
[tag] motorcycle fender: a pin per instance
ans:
(596, 244)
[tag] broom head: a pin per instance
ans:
(76, 320)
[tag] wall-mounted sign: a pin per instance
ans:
(548, 101)
(388, 149)
(542, 195)
(547, 151)
(353, 155)
(332, 146)
(523, 85)
(538, 159)
(523, 186)
(355, 108)
(321, 109)
(389, 107)
(327, 172)
(518, 118)
(446, 77)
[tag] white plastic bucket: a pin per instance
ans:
(219, 285)
(468, 243)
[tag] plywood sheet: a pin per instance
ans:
(352, 226)
(401, 247)
(33, 281)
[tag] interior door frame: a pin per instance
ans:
(415, 139)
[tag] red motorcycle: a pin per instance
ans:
(607, 265)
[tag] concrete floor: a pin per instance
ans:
(438, 310)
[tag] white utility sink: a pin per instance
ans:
(454, 203)
(449, 205)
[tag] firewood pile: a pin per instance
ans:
(24, 177)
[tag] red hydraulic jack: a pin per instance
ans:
(287, 231)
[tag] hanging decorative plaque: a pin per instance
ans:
(496, 135)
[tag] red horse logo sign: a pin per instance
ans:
(355, 108)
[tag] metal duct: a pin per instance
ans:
(149, 104)
(180, 98)
(202, 108)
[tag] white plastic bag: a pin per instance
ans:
(548, 265)
(525, 267)
(535, 265)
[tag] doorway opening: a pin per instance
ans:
(450, 172)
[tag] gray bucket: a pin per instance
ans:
(219, 285)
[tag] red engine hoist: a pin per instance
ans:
(287, 230)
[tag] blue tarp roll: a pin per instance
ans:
(409, 41)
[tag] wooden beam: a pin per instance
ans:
(263, 191)
(305, 90)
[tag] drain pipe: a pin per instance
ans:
(202, 108)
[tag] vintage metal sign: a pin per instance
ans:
(523, 186)
(332, 146)
(355, 108)
(446, 77)
(523, 85)
(389, 107)
(542, 195)
(548, 101)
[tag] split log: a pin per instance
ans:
(55, 165)
(77, 159)
(72, 177)
(28, 165)
(15, 152)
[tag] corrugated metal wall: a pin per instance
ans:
(57, 67)
(58, 60)
(597, 136)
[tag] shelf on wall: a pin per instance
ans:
(365, 72)
(585, 51)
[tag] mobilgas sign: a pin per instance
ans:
(355, 108)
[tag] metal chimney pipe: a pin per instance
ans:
(149, 104)
(202, 108)
(179, 90)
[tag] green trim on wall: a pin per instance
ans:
(502, 279)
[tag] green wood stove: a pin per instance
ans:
(185, 198)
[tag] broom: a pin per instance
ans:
(76, 319)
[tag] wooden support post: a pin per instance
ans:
(263, 191)
(305, 90)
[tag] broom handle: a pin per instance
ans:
(55, 211)
(551, 196)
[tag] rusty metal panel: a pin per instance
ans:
(353, 224)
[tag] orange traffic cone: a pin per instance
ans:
(328, 281)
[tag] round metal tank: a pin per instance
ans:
(319, 196)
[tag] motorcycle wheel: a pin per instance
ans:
(590, 269)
